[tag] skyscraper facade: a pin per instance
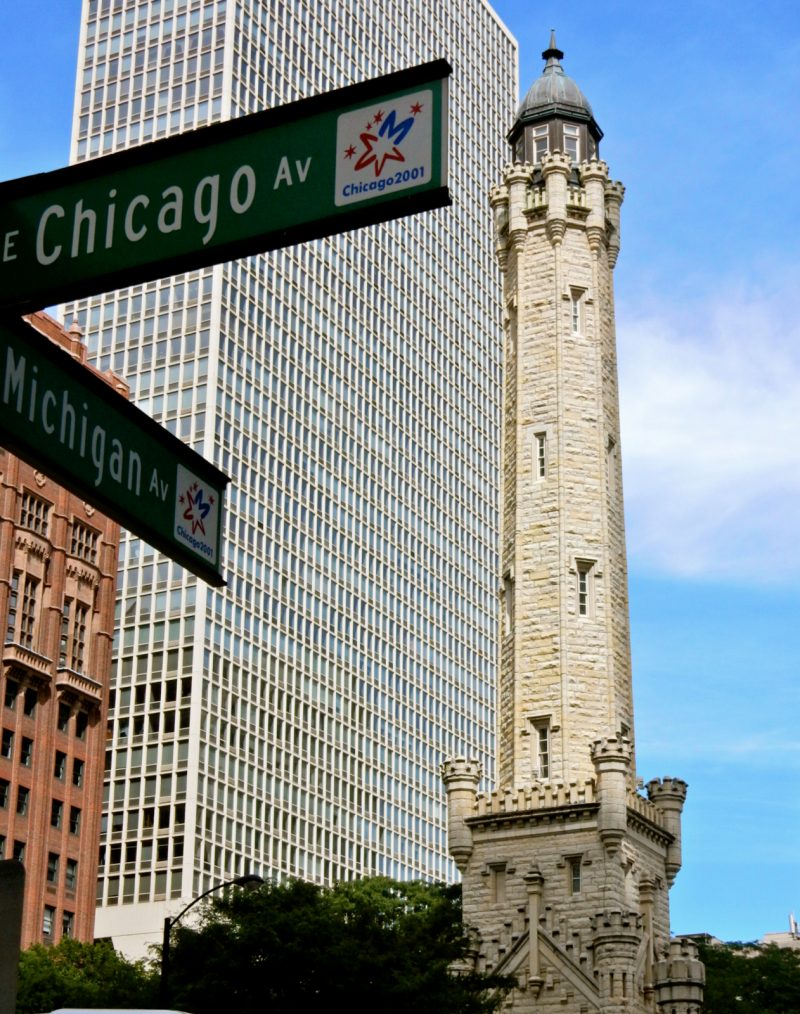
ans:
(294, 722)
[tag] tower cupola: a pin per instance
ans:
(555, 115)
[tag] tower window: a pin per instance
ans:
(498, 883)
(541, 731)
(572, 141)
(508, 601)
(541, 142)
(585, 587)
(540, 447)
(574, 874)
(577, 322)
(48, 920)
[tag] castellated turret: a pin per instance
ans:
(566, 865)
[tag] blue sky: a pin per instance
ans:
(700, 122)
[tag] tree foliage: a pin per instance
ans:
(370, 945)
(75, 974)
(751, 979)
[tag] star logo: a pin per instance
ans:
(197, 509)
(381, 141)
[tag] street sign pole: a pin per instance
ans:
(66, 420)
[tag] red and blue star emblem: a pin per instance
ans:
(197, 510)
(381, 139)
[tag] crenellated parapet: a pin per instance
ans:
(642, 806)
(557, 194)
(538, 796)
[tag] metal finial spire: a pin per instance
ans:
(552, 54)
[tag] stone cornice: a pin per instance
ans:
(532, 817)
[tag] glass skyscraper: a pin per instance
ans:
(293, 723)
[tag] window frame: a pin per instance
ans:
(539, 134)
(57, 813)
(571, 132)
(585, 574)
(574, 865)
(577, 310)
(34, 513)
(543, 749)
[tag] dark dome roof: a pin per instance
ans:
(554, 94)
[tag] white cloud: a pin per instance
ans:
(710, 397)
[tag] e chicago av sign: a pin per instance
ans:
(331, 163)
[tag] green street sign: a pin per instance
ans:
(335, 162)
(64, 419)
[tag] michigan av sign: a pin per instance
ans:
(338, 161)
(66, 420)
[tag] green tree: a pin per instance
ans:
(751, 979)
(75, 974)
(370, 945)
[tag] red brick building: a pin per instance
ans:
(58, 566)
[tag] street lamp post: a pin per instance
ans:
(163, 985)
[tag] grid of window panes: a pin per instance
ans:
(294, 722)
(34, 513)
